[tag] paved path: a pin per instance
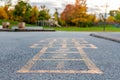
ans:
(0, 26)
(113, 36)
(57, 56)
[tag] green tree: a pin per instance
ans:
(44, 13)
(9, 11)
(56, 15)
(115, 14)
(34, 14)
(22, 11)
(117, 17)
(10, 14)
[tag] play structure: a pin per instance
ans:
(50, 22)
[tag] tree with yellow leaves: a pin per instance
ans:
(80, 16)
(110, 19)
(34, 14)
(3, 14)
(76, 14)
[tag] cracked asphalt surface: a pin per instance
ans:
(15, 53)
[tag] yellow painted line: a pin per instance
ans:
(91, 66)
(64, 52)
(34, 46)
(87, 61)
(83, 42)
(60, 59)
(42, 41)
(80, 41)
(50, 46)
(31, 62)
(51, 43)
(41, 45)
(77, 44)
(63, 71)
(64, 44)
(58, 56)
(93, 46)
(85, 45)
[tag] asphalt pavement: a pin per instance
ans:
(58, 56)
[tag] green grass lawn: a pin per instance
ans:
(13, 23)
(109, 28)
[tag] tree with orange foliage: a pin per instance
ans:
(76, 13)
(67, 14)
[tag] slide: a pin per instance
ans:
(56, 23)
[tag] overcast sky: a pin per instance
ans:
(93, 5)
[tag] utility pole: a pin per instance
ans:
(105, 23)
(104, 16)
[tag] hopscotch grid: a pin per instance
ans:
(77, 44)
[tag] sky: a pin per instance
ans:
(94, 6)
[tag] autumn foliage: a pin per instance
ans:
(73, 14)
(23, 12)
(76, 14)
(3, 14)
(34, 14)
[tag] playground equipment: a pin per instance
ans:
(50, 22)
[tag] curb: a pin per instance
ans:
(27, 30)
(105, 37)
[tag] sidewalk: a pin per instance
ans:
(28, 29)
(113, 36)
